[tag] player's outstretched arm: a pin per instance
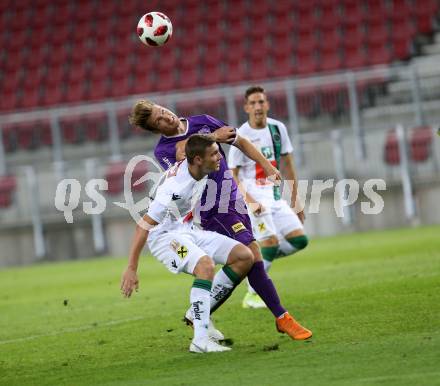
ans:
(130, 281)
(225, 134)
(248, 148)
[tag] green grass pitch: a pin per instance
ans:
(372, 301)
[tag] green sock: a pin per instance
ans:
(269, 253)
(298, 242)
(233, 276)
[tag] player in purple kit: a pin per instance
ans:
(225, 212)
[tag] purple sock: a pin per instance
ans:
(264, 287)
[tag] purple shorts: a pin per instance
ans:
(233, 224)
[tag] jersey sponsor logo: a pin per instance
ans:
(167, 161)
(182, 252)
(267, 151)
(204, 130)
(175, 197)
(261, 226)
(238, 227)
(197, 309)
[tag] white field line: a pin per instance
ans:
(73, 329)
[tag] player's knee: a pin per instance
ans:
(242, 255)
(299, 242)
(205, 268)
(271, 241)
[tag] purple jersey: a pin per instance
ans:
(227, 198)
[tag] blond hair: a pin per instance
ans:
(140, 113)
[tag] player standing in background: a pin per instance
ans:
(227, 213)
(180, 246)
(277, 228)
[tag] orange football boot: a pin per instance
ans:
(286, 324)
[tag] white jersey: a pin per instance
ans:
(175, 198)
(272, 141)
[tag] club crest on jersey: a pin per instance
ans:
(182, 252)
(238, 227)
(204, 130)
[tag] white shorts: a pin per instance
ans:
(180, 251)
(278, 220)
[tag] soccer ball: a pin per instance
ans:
(154, 29)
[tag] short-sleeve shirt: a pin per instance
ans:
(251, 173)
(175, 197)
(165, 153)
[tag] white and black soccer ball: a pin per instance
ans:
(154, 29)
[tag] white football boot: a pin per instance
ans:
(213, 333)
(207, 345)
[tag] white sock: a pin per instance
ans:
(221, 286)
(200, 308)
(267, 265)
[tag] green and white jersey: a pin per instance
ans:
(273, 141)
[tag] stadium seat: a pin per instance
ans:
(7, 188)
(420, 143)
(95, 126)
(115, 177)
(188, 78)
(306, 64)
(379, 55)
(54, 95)
(391, 149)
(330, 61)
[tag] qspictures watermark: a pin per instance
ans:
(345, 194)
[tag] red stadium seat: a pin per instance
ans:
(76, 92)
(235, 70)
(189, 78)
(355, 58)
(377, 35)
(8, 185)
(121, 87)
(306, 102)
(379, 55)
(391, 149)
(26, 134)
(115, 177)
(330, 61)
(258, 68)
(282, 65)
(99, 89)
(306, 64)
(54, 95)
(95, 126)
(402, 48)
(307, 45)
(420, 143)
(211, 75)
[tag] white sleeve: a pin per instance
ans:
(235, 157)
(159, 207)
(286, 144)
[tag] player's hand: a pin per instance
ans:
(129, 282)
(272, 173)
(180, 150)
(301, 216)
(256, 208)
(225, 134)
